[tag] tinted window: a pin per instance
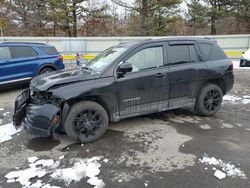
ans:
(182, 54)
(49, 50)
(22, 51)
(4, 53)
(205, 49)
(178, 54)
(147, 58)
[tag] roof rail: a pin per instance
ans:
(23, 43)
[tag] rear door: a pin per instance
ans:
(24, 58)
(7, 70)
(146, 88)
(187, 72)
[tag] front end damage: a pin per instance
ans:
(40, 112)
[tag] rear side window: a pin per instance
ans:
(206, 50)
(182, 54)
(22, 51)
(4, 52)
(49, 50)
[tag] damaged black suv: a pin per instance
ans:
(127, 80)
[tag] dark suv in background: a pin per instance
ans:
(20, 62)
(124, 81)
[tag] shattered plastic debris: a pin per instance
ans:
(229, 169)
(88, 167)
(7, 131)
(219, 174)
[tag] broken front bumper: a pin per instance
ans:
(38, 119)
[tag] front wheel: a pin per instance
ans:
(209, 100)
(86, 122)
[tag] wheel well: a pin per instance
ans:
(47, 66)
(219, 82)
(91, 98)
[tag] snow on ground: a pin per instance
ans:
(38, 168)
(237, 100)
(226, 168)
(1, 109)
(7, 131)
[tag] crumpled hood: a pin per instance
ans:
(46, 81)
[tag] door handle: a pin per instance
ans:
(160, 74)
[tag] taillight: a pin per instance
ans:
(60, 57)
(231, 69)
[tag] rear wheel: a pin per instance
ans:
(209, 100)
(46, 70)
(86, 122)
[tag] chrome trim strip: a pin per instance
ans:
(17, 80)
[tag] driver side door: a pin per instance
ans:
(146, 88)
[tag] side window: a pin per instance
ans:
(206, 50)
(4, 52)
(49, 50)
(147, 58)
(178, 54)
(22, 51)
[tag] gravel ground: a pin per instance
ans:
(158, 150)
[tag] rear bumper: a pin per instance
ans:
(38, 119)
(229, 81)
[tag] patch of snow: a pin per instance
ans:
(105, 160)
(61, 157)
(205, 126)
(229, 169)
(220, 175)
(88, 167)
(237, 100)
(120, 180)
(84, 168)
(6, 113)
(7, 131)
(32, 159)
(246, 97)
(227, 125)
(1, 109)
(95, 181)
(145, 184)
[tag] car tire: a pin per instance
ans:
(209, 100)
(86, 122)
(46, 70)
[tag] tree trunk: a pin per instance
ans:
(144, 14)
(213, 27)
(74, 20)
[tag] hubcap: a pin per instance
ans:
(212, 100)
(87, 123)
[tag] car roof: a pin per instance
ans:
(23, 44)
(165, 39)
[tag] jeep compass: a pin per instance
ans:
(127, 80)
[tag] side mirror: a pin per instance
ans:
(124, 68)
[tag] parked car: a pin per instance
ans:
(20, 62)
(245, 59)
(124, 81)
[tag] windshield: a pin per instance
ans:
(105, 58)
